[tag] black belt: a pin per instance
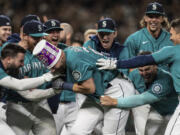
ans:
(108, 85)
(65, 102)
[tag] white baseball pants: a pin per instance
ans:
(114, 119)
(173, 127)
(35, 116)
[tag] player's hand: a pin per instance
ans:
(106, 64)
(49, 76)
(58, 84)
(75, 87)
(57, 91)
(108, 101)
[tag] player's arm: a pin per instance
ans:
(130, 63)
(164, 55)
(131, 101)
(85, 87)
(38, 94)
(25, 84)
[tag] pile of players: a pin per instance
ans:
(51, 85)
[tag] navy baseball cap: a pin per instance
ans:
(155, 8)
(5, 20)
(28, 18)
(34, 28)
(52, 24)
(106, 25)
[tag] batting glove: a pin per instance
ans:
(49, 76)
(58, 84)
(106, 64)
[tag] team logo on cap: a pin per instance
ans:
(7, 23)
(53, 23)
(154, 7)
(104, 24)
(38, 18)
(39, 28)
(157, 88)
(76, 75)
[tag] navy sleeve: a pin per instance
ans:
(136, 62)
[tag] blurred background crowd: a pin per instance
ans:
(83, 14)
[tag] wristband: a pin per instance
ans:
(67, 86)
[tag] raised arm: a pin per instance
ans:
(130, 63)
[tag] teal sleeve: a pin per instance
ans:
(137, 100)
(164, 55)
(2, 73)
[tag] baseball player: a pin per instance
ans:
(5, 29)
(66, 34)
(16, 38)
(11, 60)
(156, 88)
(152, 36)
(67, 107)
(105, 43)
(41, 114)
(169, 55)
(81, 70)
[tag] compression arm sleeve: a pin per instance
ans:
(37, 94)
(136, 100)
(21, 84)
(136, 62)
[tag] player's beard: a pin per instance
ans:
(61, 70)
(13, 71)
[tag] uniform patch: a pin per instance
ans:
(157, 88)
(76, 75)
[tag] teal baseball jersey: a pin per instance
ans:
(8, 94)
(171, 56)
(81, 65)
(0, 49)
(62, 46)
(33, 67)
(2, 72)
(161, 87)
(117, 51)
(66, 95)
(142, 40)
